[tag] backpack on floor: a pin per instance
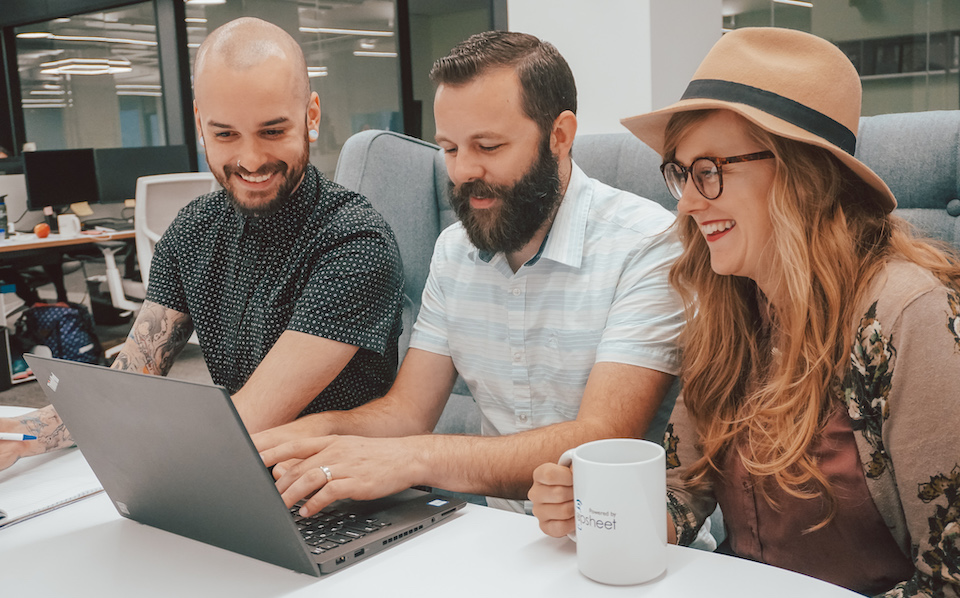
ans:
(65, 328)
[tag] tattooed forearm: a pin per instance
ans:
(156, 338)
(47, 426)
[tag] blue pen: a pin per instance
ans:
(9, 436)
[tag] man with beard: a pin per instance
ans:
(292, 283)
(549, 297)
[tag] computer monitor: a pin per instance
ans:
(11, 165)
(59, 177)
(119, 168)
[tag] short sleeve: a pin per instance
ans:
(687, 507)
(354, 292)
(166, 285)
(430, 329)
(646, 316)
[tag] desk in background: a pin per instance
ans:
(30, 241)
(87, 549)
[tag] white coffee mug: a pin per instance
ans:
(619, 488)
(69, 225)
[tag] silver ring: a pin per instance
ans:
(326, 471)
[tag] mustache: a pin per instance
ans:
(266, 169)
(478, 188)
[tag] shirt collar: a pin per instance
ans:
(564, 240)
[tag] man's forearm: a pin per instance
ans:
(496, 466)
(155, 339)
(388, 416)
(47, 426)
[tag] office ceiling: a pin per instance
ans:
(126, 37)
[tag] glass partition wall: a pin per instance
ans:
(92, 80)
(351, 52)
(906, 51)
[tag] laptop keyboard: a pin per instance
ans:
(333, 528)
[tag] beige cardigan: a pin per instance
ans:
(903, 396)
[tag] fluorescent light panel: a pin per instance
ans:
(85, 66)
(337, 31)
(375, 54)
(795, 3)
(85, 38)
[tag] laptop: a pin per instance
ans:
(175, 455)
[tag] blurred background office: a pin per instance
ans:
(110, 73)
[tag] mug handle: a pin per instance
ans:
(566, 459)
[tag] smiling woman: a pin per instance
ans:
(820, 353)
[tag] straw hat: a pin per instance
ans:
(790, 83)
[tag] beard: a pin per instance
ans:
(264, 205)
(523, 208)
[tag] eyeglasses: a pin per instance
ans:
(707, 173)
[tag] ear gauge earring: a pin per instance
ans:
(313, 135)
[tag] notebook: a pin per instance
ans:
(34, 486)
(174, 455)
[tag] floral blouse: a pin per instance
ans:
(902, 393)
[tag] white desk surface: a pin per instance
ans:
(87, 549)
(24, 241)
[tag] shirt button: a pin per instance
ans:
(516, 292)
(523, 418)
(517, 356)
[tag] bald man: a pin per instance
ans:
(292, 283)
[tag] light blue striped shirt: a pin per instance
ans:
(525, 342)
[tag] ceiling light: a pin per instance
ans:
(795, 3)
(195, 20)
(138, 86)
(86, 66)
(151, 94)
(316, 71)
(367, 45)
(199, 2)
(335, 31)
(375, 54)
(85, 38)
(47, 92)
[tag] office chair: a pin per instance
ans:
(159, 199)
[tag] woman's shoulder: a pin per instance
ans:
(899, 284)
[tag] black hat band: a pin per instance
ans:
(783, 108)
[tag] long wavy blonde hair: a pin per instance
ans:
(761, 379)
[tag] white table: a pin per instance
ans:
(87, 549)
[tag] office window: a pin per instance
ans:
(92, 80)
(351, 52)
(906, 51)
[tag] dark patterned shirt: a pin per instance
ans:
(325, 264)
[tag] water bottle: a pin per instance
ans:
(3, 217)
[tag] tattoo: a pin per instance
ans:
(156, 338)
(49, 430)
